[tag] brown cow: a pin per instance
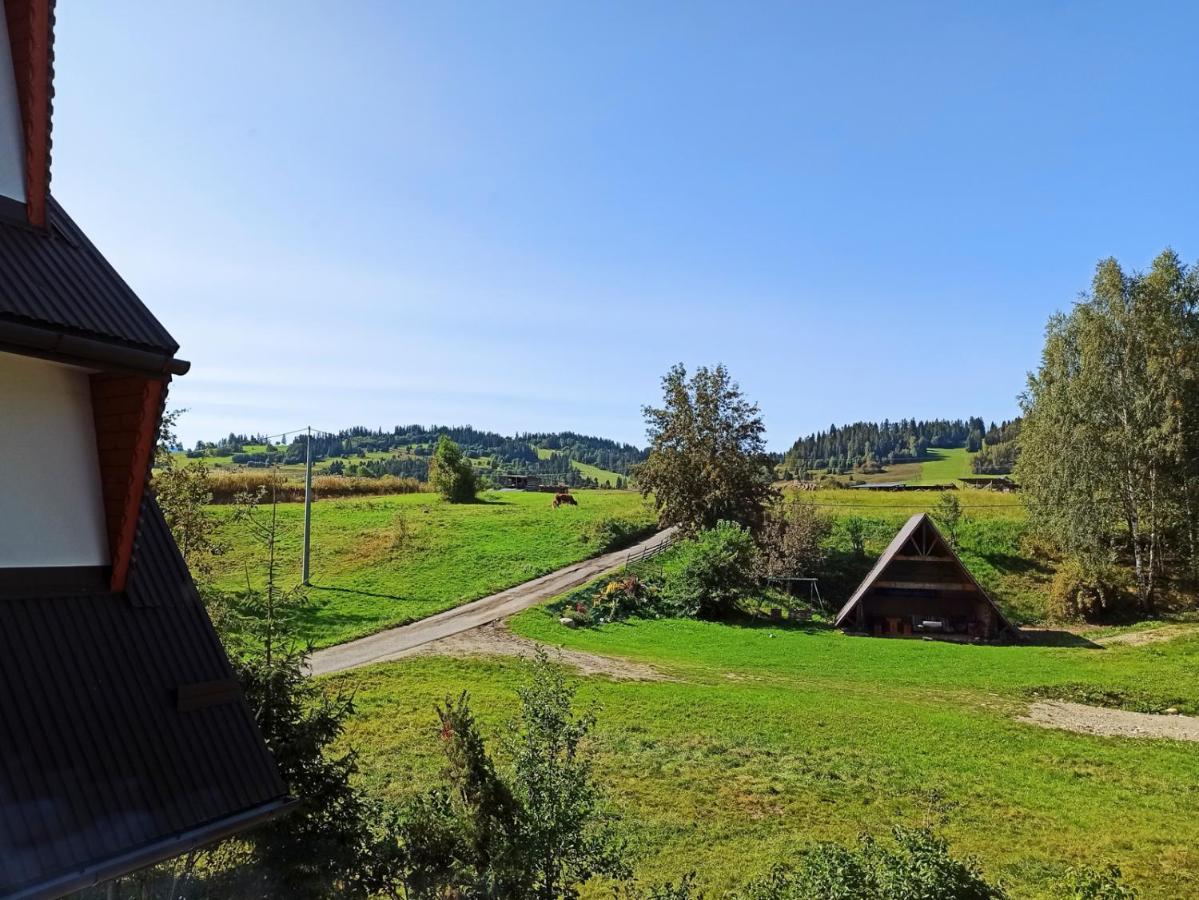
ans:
(564, 498)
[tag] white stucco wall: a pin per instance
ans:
(51, 506)
(12, 141)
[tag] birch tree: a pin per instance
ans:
(1108, 446)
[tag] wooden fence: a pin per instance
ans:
(650, 550)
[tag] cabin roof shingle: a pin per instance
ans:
(55, 282)
(123, 726)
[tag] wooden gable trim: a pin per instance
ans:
(31, 37)
(126, 409)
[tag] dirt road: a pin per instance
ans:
(397, 642)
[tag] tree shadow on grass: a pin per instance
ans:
(1009, 564)
(358, 593)
(1056, 637)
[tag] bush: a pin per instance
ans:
(451, 474)
(611, 533)
(712, 572)
(855, 530)
(792, 540)
(538, 826)
(919, 867)
(1085, 883)
(1087, 590)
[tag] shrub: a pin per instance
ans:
(451, 474)
(612, 533)
(1085, 883)
(1087, 590)
(712, 572)
(855, 530)
(919, 866)
(618, 599)
(948, 515)
(538, 826)
(792, 539)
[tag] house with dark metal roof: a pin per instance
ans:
(919, 586)
(124, 737)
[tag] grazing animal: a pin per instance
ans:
(564, 498)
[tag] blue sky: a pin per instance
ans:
(519, 215)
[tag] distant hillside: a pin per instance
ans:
(869, 445)
(576, 459)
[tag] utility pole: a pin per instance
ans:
(307, 504)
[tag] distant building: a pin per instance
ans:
(902, 486)
(124, 738)
(520, 482)
(991, 482)
(919, 586)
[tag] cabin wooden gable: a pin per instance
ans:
(920, 586)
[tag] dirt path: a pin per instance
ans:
(1148, 636)
(496, 640)
(1111, 722)
(397, 642)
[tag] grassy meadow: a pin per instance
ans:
(765, 738)
(770, 738)
(943, 466)
(946, 466)
(384, 561)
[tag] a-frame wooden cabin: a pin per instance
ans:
(919, 586)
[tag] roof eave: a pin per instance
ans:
(60, 346)
(156, 852)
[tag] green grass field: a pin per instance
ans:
(384, 561)
(600, 475)
(768, 738)
(585, 469)
(946, 466)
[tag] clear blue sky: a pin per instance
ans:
(519, 215)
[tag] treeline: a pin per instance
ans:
(869, 444)
(1000, 449)
(355, 451)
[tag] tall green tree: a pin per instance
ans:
(707, 461)
(451, 474)
(1110, 435)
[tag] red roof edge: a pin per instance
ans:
(31, 36)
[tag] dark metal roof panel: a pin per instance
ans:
(56, 278)
(97, 760)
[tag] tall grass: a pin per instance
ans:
(226, 486)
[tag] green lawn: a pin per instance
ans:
(767, 738)
(383, 561)
(946, 466)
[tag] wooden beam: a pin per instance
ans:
(926, 585)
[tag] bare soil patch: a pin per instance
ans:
(1148, 636)
(1110, 722)
(496, 640)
